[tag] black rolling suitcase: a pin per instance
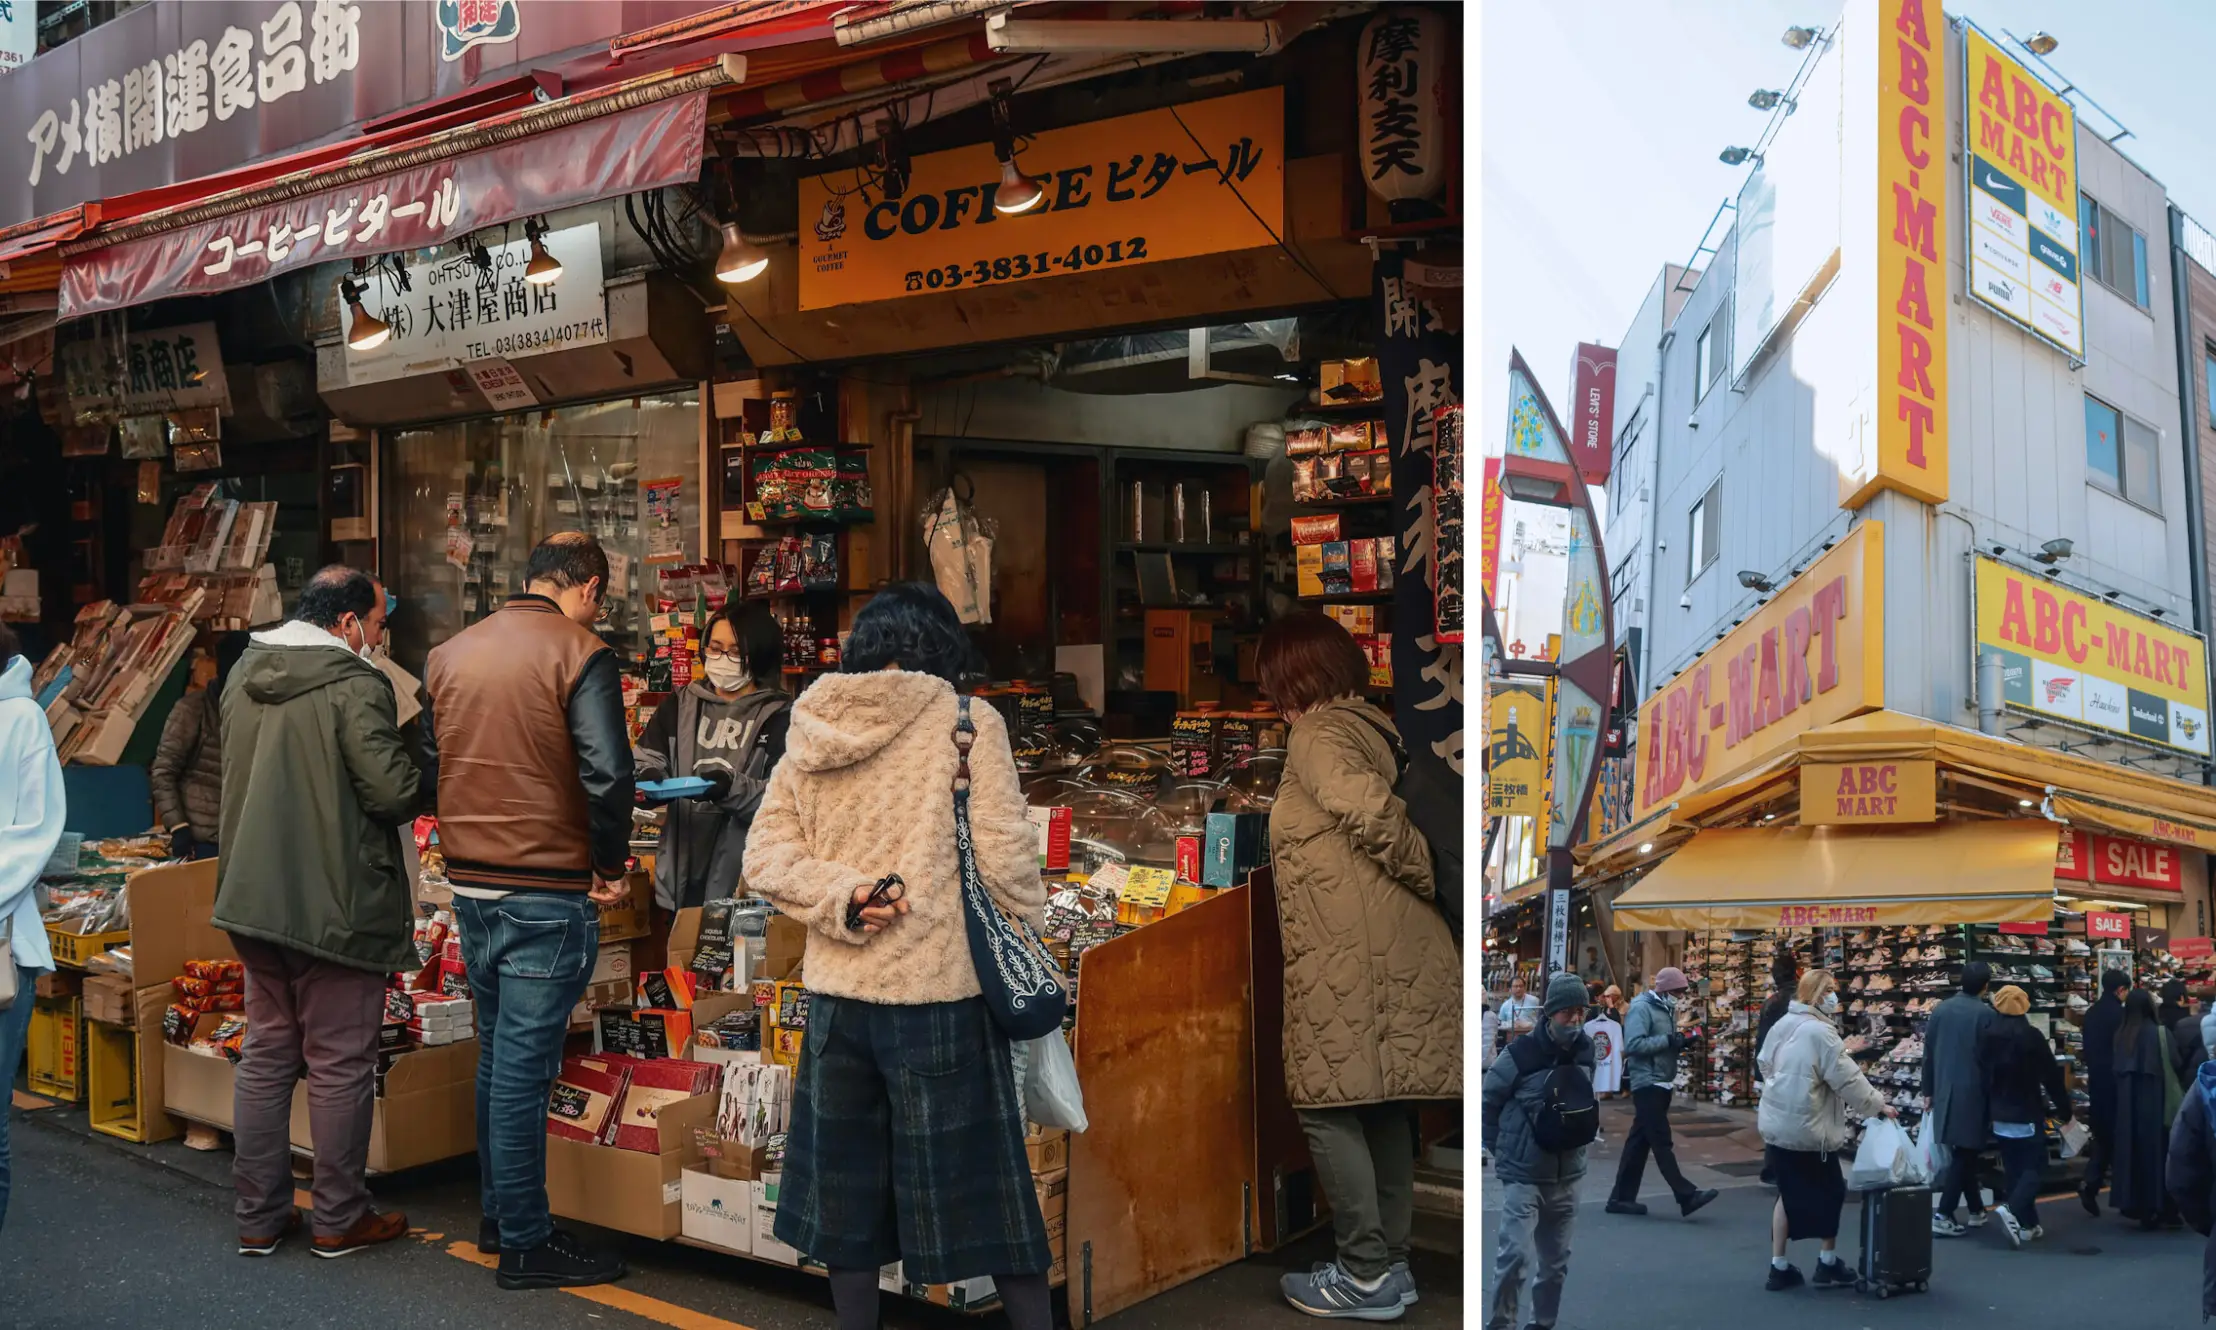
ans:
(1896, 1241)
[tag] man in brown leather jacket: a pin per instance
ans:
(532, 763)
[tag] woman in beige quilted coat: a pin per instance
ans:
(1373, 982)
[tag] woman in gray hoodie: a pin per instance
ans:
(727, 726)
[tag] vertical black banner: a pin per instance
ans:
(1420, 364)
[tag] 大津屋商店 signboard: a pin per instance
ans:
(1516, 750)
(2066, 655)
(2020, 140)
(453, 312)
(146, 372)
(1813, 655)
(1199, 178)
(1848, 794)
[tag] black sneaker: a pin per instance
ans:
(1789, 1277)
(559, 1262)
(1695, 1201)
(488, 1236)
(1832, 1274)
(1626, 1208)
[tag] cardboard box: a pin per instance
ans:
(428, 1110)
(1053, 826)
(170, 909)
(110, 1000)
(629, 917)
(766, 1245)
(1360, 620)
(1308, 569)
(1237, 844)
(628, 1190)
(1048, 1150)
(717, 1211)
(613, 963)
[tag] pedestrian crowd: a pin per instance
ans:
(1991, 1085)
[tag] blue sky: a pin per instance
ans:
(1602, 121)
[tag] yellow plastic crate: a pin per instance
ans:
(57, 1048)
(113, 1101)
(74, 949)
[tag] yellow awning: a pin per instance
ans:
(1850, 877)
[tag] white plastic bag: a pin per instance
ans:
(2074, 1136)
(1885, 1158)
(1046, 1075)
(1929, 1159)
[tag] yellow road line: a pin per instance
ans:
(615, 1296)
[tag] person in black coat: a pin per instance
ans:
(2098, 1052)
(2144, 1094)
(2189, 1044)
(1954, 1095)
(2021, 1080)
(2173, 1008)
(2192, 1173)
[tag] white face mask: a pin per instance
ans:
(726, 674)
(1830, 1003)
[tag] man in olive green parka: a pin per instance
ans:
(312, 887)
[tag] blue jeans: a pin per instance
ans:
(2022, 1157)
(15, 1029)
(529, 956)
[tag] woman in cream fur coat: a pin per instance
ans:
(906, 1139)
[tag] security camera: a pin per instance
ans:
(2054, 551)
(1754, 581)
(1685, 602)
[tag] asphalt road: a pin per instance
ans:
(102, 1234)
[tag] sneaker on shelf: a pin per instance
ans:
(1332, 1294)
(559, 1262)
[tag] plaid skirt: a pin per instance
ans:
(906, 1144)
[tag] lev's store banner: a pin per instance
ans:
(2066, 655)
(2020, 148)
(1199, 178)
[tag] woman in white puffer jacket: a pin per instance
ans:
(1809, 1085)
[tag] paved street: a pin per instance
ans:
(101, 1233)
(1708, 1271)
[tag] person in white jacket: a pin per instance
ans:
(31, 810)
(1809, 1085)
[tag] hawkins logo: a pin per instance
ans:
(2059, 688)
(831, 224)
(467, 23)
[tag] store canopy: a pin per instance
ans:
(1850, 877)
(2080, 790)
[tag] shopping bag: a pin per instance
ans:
(1884, 1159)
(2074, 1135)
(1931, 1155)
(1046, 1075)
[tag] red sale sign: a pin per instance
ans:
(2138, 863)
(2113, 926)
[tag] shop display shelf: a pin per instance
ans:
(1353, 501)
(1350, 598)
(1172, 547)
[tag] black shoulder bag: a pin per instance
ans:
(1022, 985)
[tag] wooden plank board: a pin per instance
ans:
(1165, 1052)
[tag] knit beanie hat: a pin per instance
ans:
(1565, 992)
(2011, 1001)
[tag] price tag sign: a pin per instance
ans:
(502, 384)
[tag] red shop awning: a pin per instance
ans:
(556, 156)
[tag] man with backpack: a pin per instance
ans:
(1539, 1115)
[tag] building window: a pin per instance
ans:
(2208, 369)
(1704, 531)
(2114, 252)
(2121, 454)
(1704, 361)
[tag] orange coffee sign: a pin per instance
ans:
(1863, 793)
(1170, 183)
(1910, 428)
(1813, 655)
